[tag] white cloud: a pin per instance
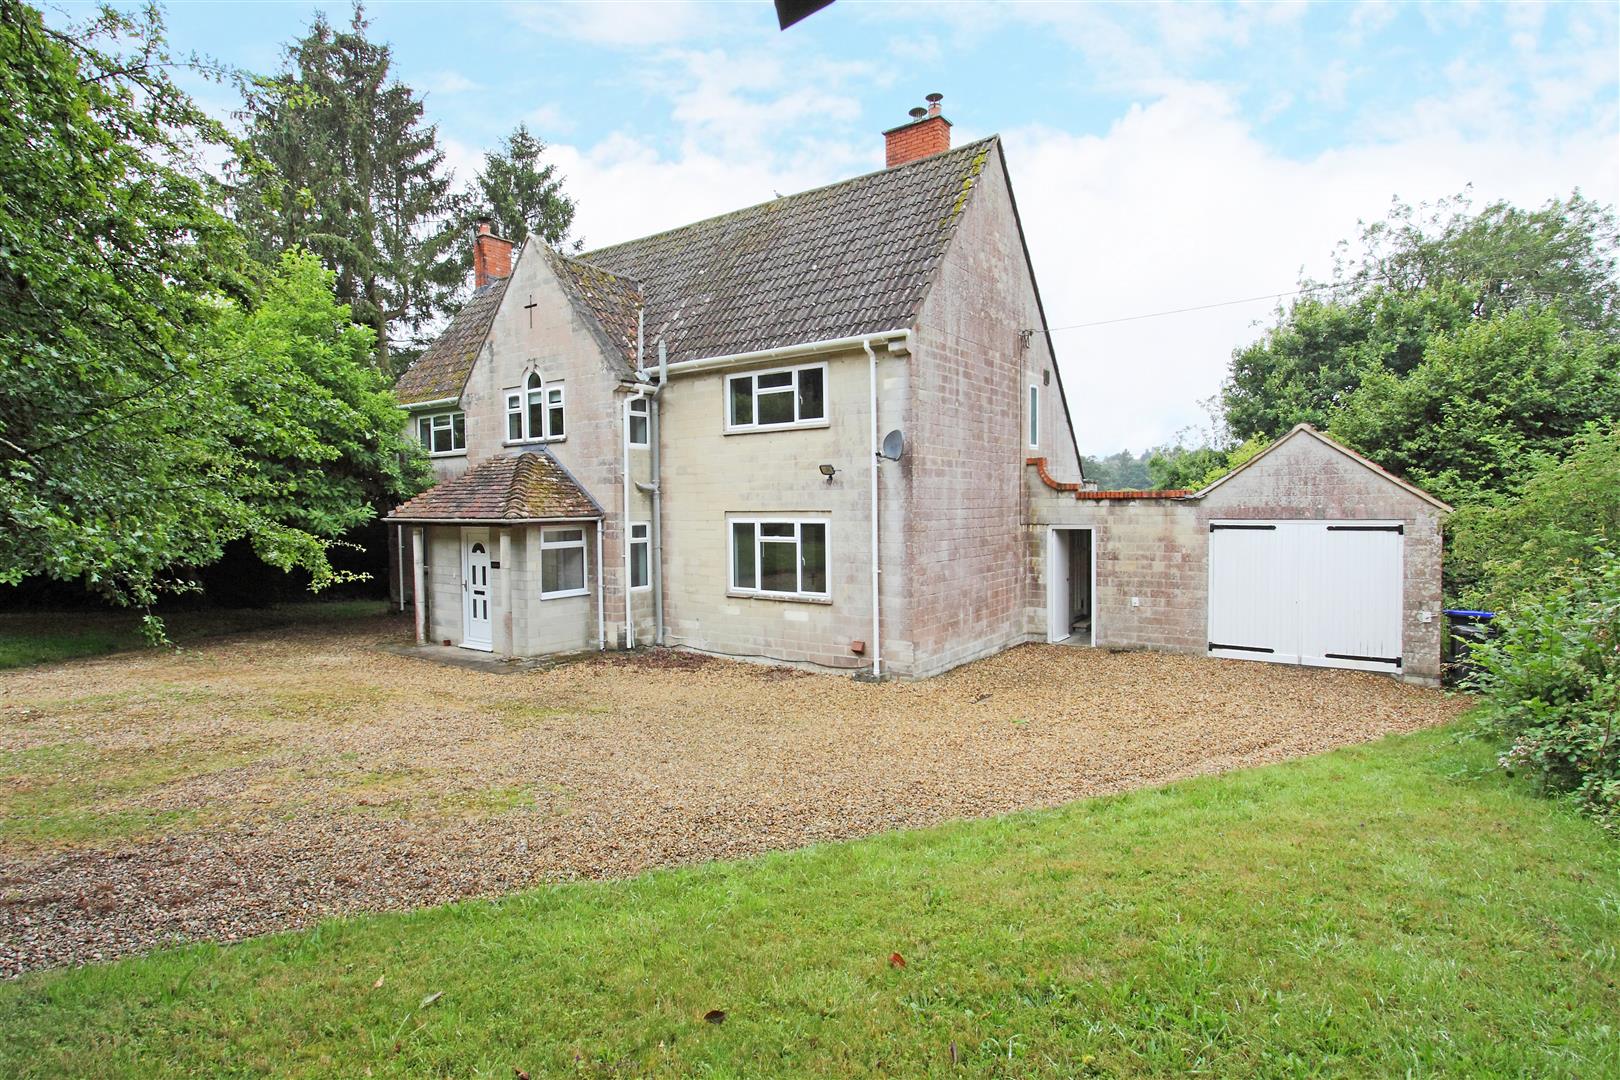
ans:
(621, 24)
(450, 82)
(1180, 204)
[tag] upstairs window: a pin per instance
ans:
(776, 557)
(1034, 416)
(637, 421)
(443, 433)
(787, 397)
(534, 411)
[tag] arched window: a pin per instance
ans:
(534, 410)
(535, 400)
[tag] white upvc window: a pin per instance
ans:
(442, 434)
(636, 421)
(780, 398)
(640, 555)
(564, 567)
(534, 411)
(1034, 416)
(779, 557)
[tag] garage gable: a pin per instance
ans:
(1307, 474)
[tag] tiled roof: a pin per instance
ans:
(610, 301)
(442, 371)
(521, 487)
(852, 258)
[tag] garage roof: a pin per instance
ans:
(1306, 429)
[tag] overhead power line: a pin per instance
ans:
(1207, 307)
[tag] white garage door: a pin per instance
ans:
(1326, 593)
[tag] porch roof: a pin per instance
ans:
(531, 486)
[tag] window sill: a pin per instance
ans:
(641, 588)
(446, 453)
(757, 429)
(783, 598)
(534, 442)
(564, 595)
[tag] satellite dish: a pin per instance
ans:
(894, 446)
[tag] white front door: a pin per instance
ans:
(1059, 619)
(475, 631)
(1320, 593)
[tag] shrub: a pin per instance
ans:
(1552, 688)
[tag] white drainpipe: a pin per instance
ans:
(877, 618)
(624, 439)
(601, 614)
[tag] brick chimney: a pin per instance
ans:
(926, 133)
(492, 256)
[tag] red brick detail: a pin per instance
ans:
(1175, 493)
(1081, 493)
(492, 257)
(1046, 477)
(930, 135)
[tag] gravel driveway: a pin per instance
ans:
(264, 782)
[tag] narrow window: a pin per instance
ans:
(424, 432)
(1034, 415)
(562, 563)
(554, 412)
(514, 416)
(773, 557)
(638, 421)
(812, 398)
(743, 574)
(742, 400)
(640, 548)
(535, 419)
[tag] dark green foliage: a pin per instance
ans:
(1123, 471)
(1174, 467)
(520, 195)
(1552, 686)
(146, 417)
(341, 164)
(1566, 515)
(1469, 420)
(1418, 274)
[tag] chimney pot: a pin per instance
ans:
(925, 134)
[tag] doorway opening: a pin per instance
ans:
(1071, 586)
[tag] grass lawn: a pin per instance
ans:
(1387, 909)
(43, 637)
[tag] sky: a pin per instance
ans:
(1163, 156)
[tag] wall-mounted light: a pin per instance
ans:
(829, 472)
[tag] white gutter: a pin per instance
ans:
(624, 446)
(788, 352)
(434, 404)
(877, 619)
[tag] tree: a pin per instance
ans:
(139, 420)
(520, 195)
(340, 163)
(1417, 274)
(1118, 472)
(316, 424)
(1565, 522)
(1469, 422)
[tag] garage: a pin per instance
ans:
(1307, 554)
(1321, 593)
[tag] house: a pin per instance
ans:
(824, 430)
